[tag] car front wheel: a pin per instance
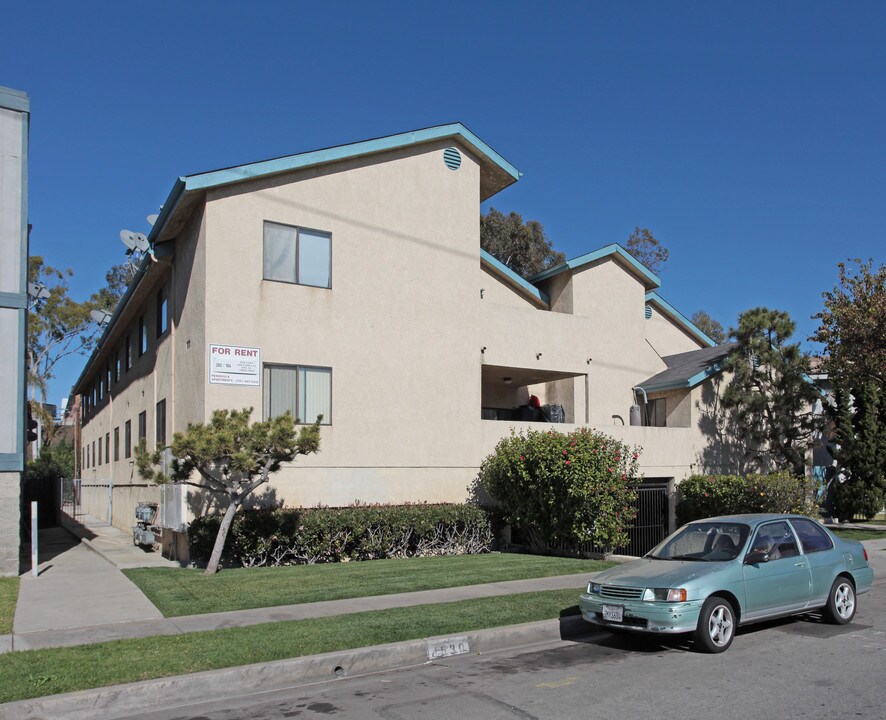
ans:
(841, 602)
(716, 625)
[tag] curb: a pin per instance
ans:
(171, 692)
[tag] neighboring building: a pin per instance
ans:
(14, 126)
(349, 282)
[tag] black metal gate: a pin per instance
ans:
(650, 526)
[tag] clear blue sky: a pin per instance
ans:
(749, 137)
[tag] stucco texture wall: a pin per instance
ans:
(398, 326)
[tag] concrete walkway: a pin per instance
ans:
(81, 596)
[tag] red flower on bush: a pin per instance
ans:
(568, 463)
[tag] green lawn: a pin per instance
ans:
(33, 673)
(851, 534)
(178, 591)
(8, 597)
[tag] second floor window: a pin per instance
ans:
(162, 311)
(127, 439)
(142, 336)
(297, 255)
(142, 425)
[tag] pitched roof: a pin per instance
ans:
(496, 173)
(688, 369)
(513, 279)
(614, 251)
(653, 298)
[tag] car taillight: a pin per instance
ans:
(865, 554)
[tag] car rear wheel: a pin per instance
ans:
(841, 602)
(716, 625)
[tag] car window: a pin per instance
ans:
(704, 542)
(813, 538)
(776, 540)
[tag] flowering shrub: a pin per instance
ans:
(702, 496)
(564, 489)
(294, 536)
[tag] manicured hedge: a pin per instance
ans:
(702, 496)
(564, 489)
(296, 536)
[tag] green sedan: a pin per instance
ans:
(713, 575)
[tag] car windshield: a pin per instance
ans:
(703, 542)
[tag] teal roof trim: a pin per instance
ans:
(14, 100)
(687, 384)
(263, 168)
(514, 278)
(688, 325)
(650, 279)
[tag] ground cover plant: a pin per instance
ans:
(178, 591)
(8, 599)
(34, 673)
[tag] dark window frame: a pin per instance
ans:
(296, 270)
(160, 423)
(127, 439)
(117, 444)
(162, 320)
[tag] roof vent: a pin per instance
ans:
(452, 158)
(649, 312)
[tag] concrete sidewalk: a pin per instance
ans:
(81, 596)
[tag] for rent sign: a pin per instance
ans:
(234, 365)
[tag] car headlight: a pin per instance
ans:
(665, 594)
(594, 588)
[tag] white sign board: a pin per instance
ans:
(234, 365)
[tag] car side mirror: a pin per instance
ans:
(755, 557)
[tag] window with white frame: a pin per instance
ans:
(297, 255)
(304, 391)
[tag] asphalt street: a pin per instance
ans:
(793, 668)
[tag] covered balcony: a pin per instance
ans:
(513, 394)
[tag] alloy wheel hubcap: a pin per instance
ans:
(844, 601)
(721, 625)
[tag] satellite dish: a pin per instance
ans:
(134, 241)
(152, 219)
(100, 317)
(38, 291)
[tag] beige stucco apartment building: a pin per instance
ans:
(350, 282)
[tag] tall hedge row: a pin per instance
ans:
(702, 496)
(296, 536)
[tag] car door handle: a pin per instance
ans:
(800, 564)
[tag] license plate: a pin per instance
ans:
(613, 613)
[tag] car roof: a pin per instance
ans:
(752, 519)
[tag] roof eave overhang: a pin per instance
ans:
(496, 172)
(156, 238)
(615, 252)
(653, 298)
(509, 277)
(687, 384)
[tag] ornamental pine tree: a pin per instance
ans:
(230, 457)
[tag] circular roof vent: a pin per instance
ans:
(452, 158)
(649, 312)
